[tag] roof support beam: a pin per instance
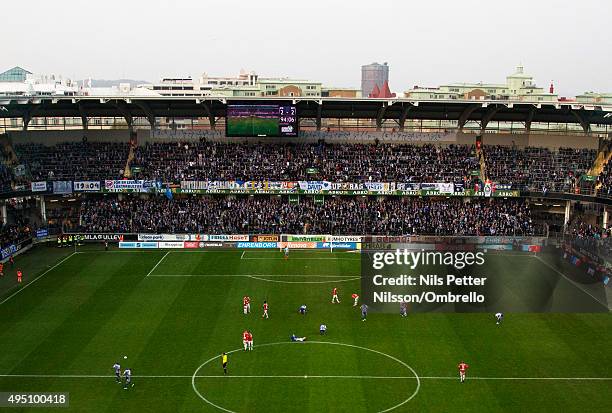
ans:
(586, 126)
(380, 115)
(83, 113)
(125, 112)
(318, 119)
(27, 117)
(529, 119)
(465, 115)
(491, 111)
(211, 117)
(148, 112)
(403, 116)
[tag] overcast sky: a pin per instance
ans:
(426, 43)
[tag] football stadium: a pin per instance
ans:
(259, 244)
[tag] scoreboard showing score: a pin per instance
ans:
(261, 120)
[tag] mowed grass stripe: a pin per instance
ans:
(95, 291)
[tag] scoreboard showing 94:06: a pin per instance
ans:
(287, 117)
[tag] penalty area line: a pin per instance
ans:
(37, 278)
(158, 262)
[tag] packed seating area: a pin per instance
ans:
(538, 168)
(336, 216)
(13, 233)
(593, 238)
(334, 162)
(605, 178)
(74, 160)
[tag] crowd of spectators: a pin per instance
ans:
(538, 169)
(593, 238)
(605, 179)
(306, 161)
(336, 216)
(13, 234)
(74, 160)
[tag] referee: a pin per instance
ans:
(224, 362)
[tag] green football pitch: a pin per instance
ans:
(252, 126)
(173, 313)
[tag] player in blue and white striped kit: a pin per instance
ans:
(364, 312)
(499, 317)
(127, 373)
(117, 368)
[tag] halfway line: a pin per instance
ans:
(305, 376)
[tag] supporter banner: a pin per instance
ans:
(264, 238)
(14, 248)
(237, 187)
(439, 188)
(171, 244)
(19, 170)
(39, 186)
(131, 185)
(149, 245)
(298, 245)
(226, 238)
(308, 238)
(62, 187)
(380, 186)
(257, 245)
(314, 186)
(87, 186)
(8, 251)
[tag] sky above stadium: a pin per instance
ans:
(425, 43)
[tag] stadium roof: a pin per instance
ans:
(398, 109)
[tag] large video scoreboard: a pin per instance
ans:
(261, 120)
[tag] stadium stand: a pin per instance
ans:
(337, 216)
(74, 160)
(339, 163)
(605, 179)
(535, 168)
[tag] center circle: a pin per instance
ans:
(416, 376)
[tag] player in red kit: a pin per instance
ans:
(250, 340)
(335, 298)
(462, 369)
(265, 310)
(19, 275)
(245, 339)
(246, 304)
(1, 269)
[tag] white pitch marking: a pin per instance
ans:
(575, 284)
(416, 376)
(36, 279)
(178, 376)
(304, 258)
(254, 275)
(158, 262)
(242, 255)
